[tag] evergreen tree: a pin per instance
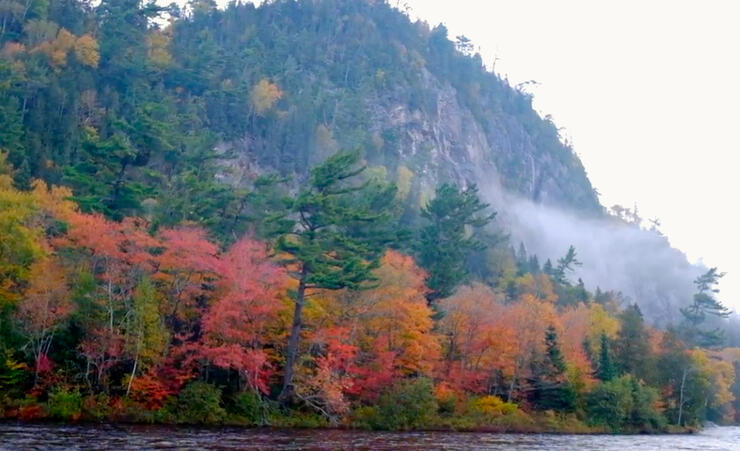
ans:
(703, 306)
(565, 264)
(447, 241)
(606, 369)
(551, 389)
(632, 350)
(330, 236)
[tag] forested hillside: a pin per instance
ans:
(270, 216)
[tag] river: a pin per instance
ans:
(24, 436)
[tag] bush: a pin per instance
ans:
(624, 403)
(491, 407)
(96, 407)
(64, 404)
(250, 406)
(409, 404)
(199, 402)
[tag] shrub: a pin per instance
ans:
(250, 406)
(96, 407)
(491, 406)
(64, 404)
(407, 405)
(624, 403)
(198, 402)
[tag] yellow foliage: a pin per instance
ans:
(58, 49)
(404, 179)
(492, 406)
(86, 50)
(158, 53)
(325, 140)
(538, 285)
(264, 95)
(600, 321)
(720, 373)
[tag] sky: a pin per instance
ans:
(647, 92)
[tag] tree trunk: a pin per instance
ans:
(133, 374)
(295, 333)
(680, 397)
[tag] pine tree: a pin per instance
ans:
(632, 346)
(445, 243)
(606, 370)
(703, 306)
(330, 236)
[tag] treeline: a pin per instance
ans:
(329, 312)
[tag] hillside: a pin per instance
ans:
(275, 88)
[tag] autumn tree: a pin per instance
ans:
(479, 341)
(392, 324)
(235, 327)
(44, 308)
(264, 95)
(146, 335)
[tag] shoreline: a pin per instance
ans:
(126, 425)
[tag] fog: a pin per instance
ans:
(615, 255)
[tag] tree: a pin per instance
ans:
(565, 265)
(479, 338)
(606, 369)
(235, 327)
(264, 95)
(392, 326)
(551, 389)
(44, 308)
(446, 242)
(632, 350)
(331, 236)
(146, 335)
(705, 305)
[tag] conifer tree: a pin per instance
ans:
(606, 370)
(330, 236)
(446, 242)
(703, 306)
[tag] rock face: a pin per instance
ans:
(451, 144)
(359, 75)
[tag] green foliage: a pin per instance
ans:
(64, 404)
(551, 390)
(491, 407)
(198, 403)
(446, 242)
(606, 369)
(632, 350)
(250, 406)
(407, 405)
(624, 404)
(705, 305)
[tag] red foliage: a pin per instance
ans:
(235, 327)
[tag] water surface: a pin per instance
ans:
(23, 436)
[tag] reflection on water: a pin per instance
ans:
(21, 436)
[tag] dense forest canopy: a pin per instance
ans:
(269, 215)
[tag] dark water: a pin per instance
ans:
(15, 436)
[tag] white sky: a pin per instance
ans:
(647, 92)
